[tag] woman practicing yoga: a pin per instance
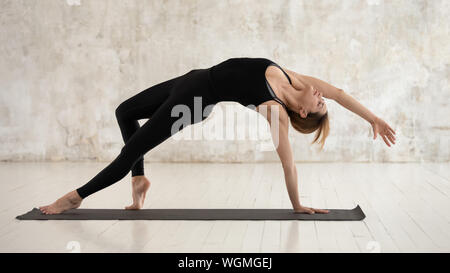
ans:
(253, 82)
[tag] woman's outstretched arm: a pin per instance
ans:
(280, 139)
(353, 105)
(329, 91)
(379, 126)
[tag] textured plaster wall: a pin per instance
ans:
(65, 65)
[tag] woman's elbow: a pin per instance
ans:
(338, 94)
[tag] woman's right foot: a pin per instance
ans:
(139, 187)
(71, 200)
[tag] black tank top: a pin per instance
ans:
(243, 80)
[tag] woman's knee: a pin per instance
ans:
(120, 110)
(130, 153)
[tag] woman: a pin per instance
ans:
(248, 81)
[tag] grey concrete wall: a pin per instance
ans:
(67, 64)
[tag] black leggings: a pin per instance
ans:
(154, 103)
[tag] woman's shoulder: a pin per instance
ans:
(266, 108)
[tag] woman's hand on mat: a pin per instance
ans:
(303, 209)
(380, 127)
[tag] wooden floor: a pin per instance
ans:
(407, 208)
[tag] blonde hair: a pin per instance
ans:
(313, 122)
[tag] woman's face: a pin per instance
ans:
(312, 102)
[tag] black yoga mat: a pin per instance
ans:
(355, 214)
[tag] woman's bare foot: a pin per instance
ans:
(71, 200)
(140, 187)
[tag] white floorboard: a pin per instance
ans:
(406, 206)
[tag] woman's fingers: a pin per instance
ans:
(391, 138)
(386, 132)
(309, 210)
(304, 209)
(389, 132)
(388, 128)
(388, 138)
(321, 210)
(312, 210)
(392, 130)
(385, 140)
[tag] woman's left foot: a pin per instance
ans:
(139, 187)
(71, 200)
